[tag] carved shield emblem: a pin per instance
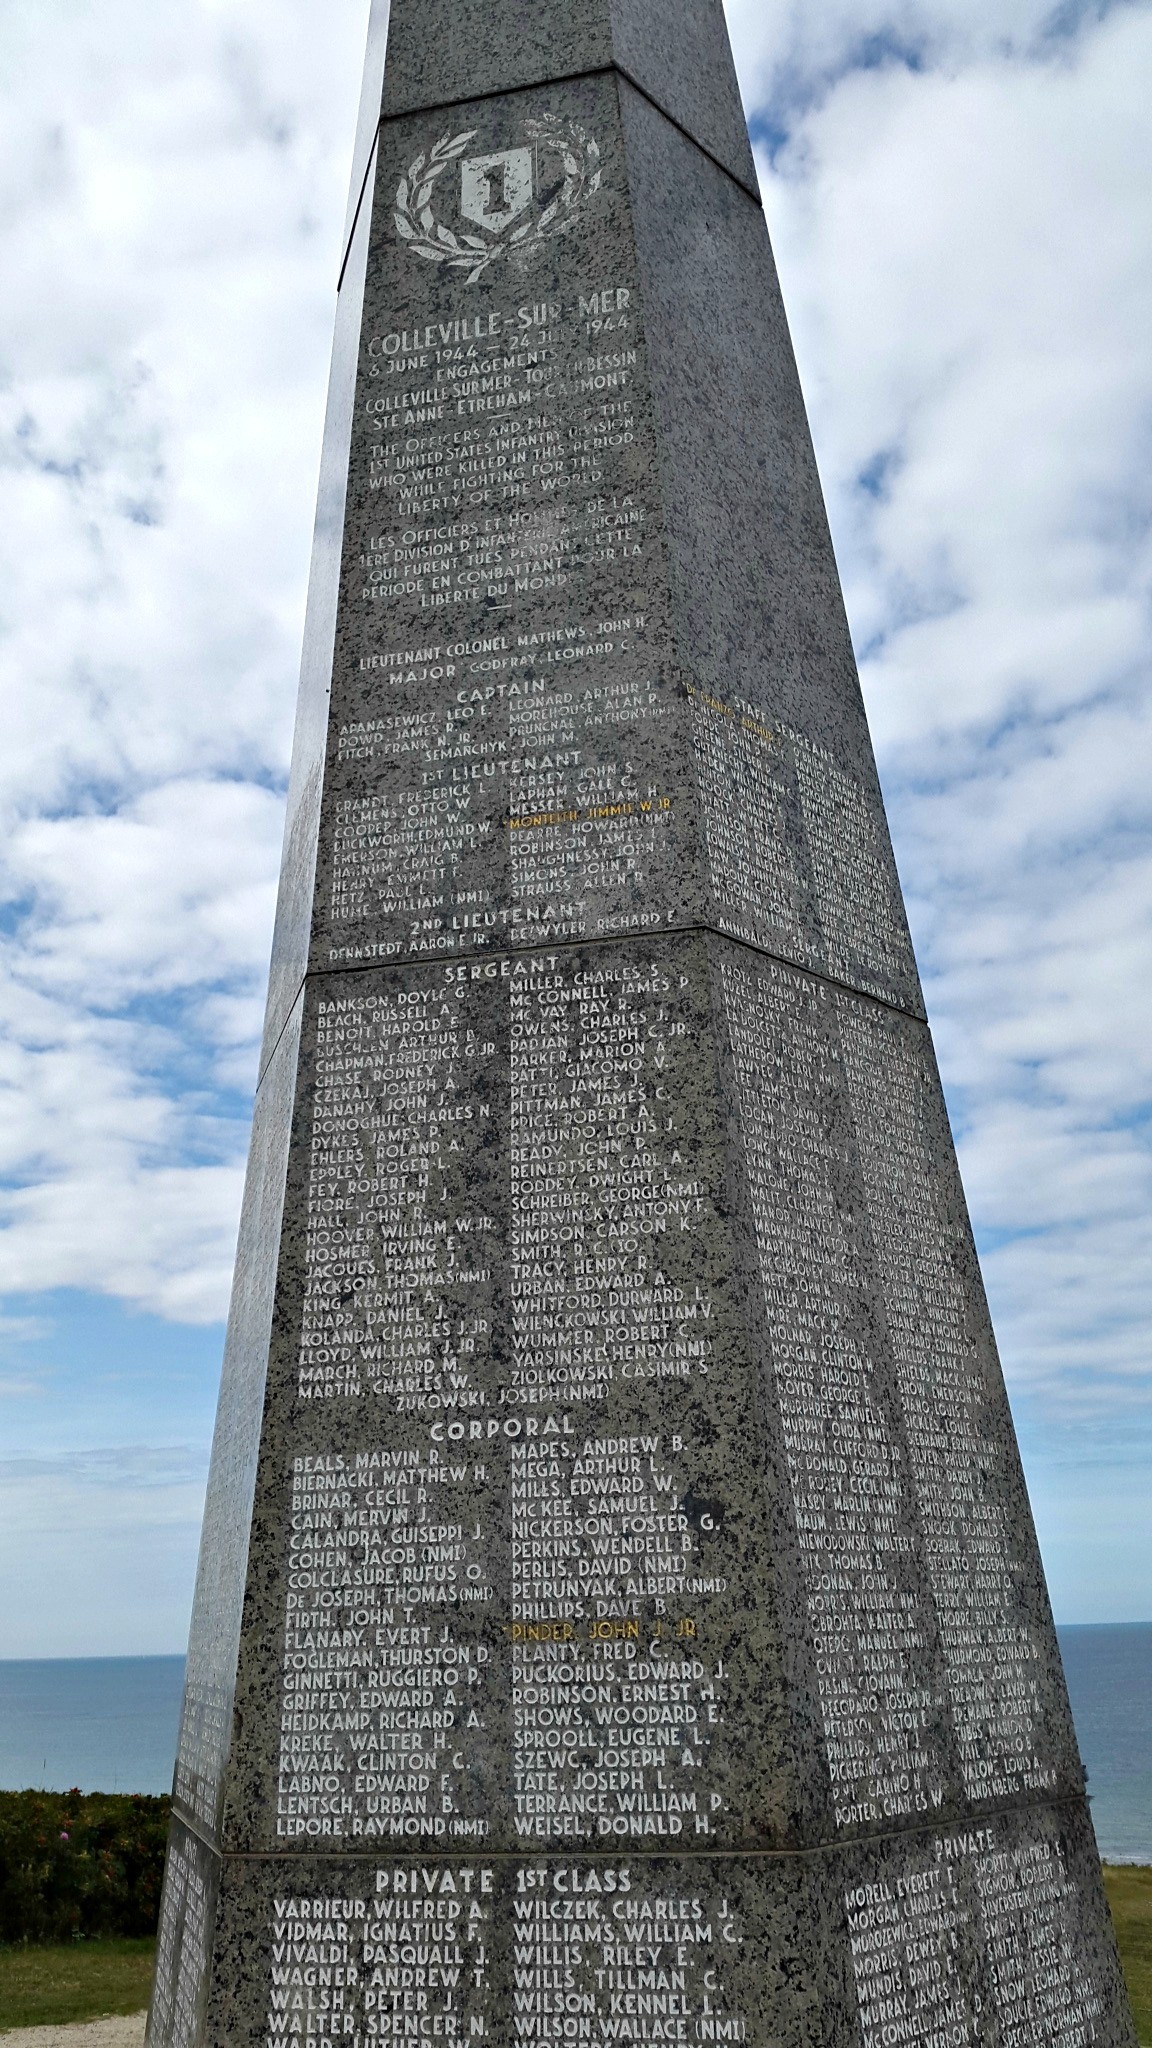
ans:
(505, 202)
(496, 190)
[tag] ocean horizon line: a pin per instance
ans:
(109, 1723)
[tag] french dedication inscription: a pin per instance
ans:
(619, 1616)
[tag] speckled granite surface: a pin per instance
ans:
(619, 1616)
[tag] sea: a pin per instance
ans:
(1109, 1671)
(108, 1724)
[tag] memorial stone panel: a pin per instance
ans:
(619, 1616)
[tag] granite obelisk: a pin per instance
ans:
(619, 1616)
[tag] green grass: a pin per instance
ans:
(42, 1987)
(46, 1987)
(1129, 1889)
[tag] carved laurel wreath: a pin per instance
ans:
(417, 224)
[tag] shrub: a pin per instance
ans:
(76, 1864)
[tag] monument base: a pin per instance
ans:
(913, 1938)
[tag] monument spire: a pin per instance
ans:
(619, 1616)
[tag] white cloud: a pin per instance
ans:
(174, 890)
(957, 195)
(172, 187)
(791, 56)
(966, 251)
(966, 262)
(160, 1237)
(98, 1546)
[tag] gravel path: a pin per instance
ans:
(127, 2032)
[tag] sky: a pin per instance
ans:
(957, 192)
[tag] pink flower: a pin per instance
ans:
(63, 1835)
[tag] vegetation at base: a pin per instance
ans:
(1129, 1889)
(75, 1866)
(85, 1980)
